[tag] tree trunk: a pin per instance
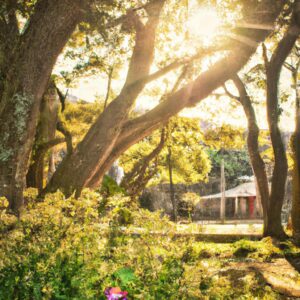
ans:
(296, 157)
(28, 72)
(273, 69)
(45, 132)
(257, 162)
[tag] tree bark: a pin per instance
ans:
(28, 69)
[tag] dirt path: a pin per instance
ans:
(279, 274)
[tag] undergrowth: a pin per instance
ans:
(75, 248)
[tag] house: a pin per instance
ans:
(241, 202)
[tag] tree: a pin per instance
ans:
(113, 132)
(295, 143)
(273, 69)
(101, 137)
(227, 143)
(272, 200)
(257, 162)
(236, 165)
(27, 57)
(27, 60)
(45, 137)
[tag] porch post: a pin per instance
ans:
(236, 206)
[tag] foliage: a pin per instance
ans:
(75, 248)
(189, 160)
(187, 204)
(236, 165)
(79, 116)
(225, 137)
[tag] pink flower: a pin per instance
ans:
(115, 293)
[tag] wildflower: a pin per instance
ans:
(115, 293)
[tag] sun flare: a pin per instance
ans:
(204, 23)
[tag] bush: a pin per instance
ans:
(243, 248)
(70, 249)
(110, 187)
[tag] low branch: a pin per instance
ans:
(110, 74)
(229, 94)
(136, 180)
(50, 144)
(68, 137)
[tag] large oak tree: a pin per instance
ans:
(114, 132)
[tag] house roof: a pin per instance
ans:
(243, 190)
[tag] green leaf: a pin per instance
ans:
(125, 275)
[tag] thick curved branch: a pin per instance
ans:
(99, 141)
(192, 93)
(96, 179)
(128, 15)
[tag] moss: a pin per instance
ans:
(22, 105)
(5, 154)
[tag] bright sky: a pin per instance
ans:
(217, 111)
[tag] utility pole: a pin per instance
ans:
(172, 192)
(223, 199)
